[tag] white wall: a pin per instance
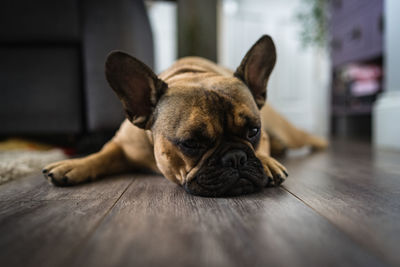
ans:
(392, 45)
(386, 112)
(162, 17)
(299, 85)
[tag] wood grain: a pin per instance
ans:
(42, 233)
(40, 224)
(337, 208)
(156, 223)
(37, 188)
(357, 189)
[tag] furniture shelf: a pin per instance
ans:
(356, 32)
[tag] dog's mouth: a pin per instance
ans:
(214, 180)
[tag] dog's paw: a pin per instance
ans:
(318, 143)
(67, 172)
(275, 171)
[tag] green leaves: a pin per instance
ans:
(313, 18)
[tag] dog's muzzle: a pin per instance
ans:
(235, 171)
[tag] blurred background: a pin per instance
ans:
(336, 74)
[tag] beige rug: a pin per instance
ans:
(18, 160)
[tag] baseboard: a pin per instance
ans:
(386, 121)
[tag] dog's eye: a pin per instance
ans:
(252, 132)
(191, 147)
(191, 144)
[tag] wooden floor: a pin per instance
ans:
(337, 208)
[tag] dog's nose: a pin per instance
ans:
(234, 159)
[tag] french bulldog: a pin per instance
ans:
(202, 126)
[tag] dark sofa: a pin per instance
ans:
(52, 57)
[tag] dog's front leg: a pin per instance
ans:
(109, 160)
(274, 170)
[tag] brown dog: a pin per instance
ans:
(198, 124)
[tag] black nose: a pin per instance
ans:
(234, 159)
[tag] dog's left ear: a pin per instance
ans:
(256, 67)
(136, 85)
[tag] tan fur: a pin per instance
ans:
(109, 160)
(133, 147)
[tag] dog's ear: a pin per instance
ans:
(136, 85)
(256, 67)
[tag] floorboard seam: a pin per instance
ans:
(90, 233)
(361, 246)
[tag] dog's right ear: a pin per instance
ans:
(136, 85)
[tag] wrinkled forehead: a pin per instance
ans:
(196, 112)
(183, 114)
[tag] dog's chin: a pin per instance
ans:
(225, 182)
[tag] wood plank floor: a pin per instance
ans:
(338, 208)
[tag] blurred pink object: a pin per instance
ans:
(364, 72)
(364, 79)
(366, 87)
